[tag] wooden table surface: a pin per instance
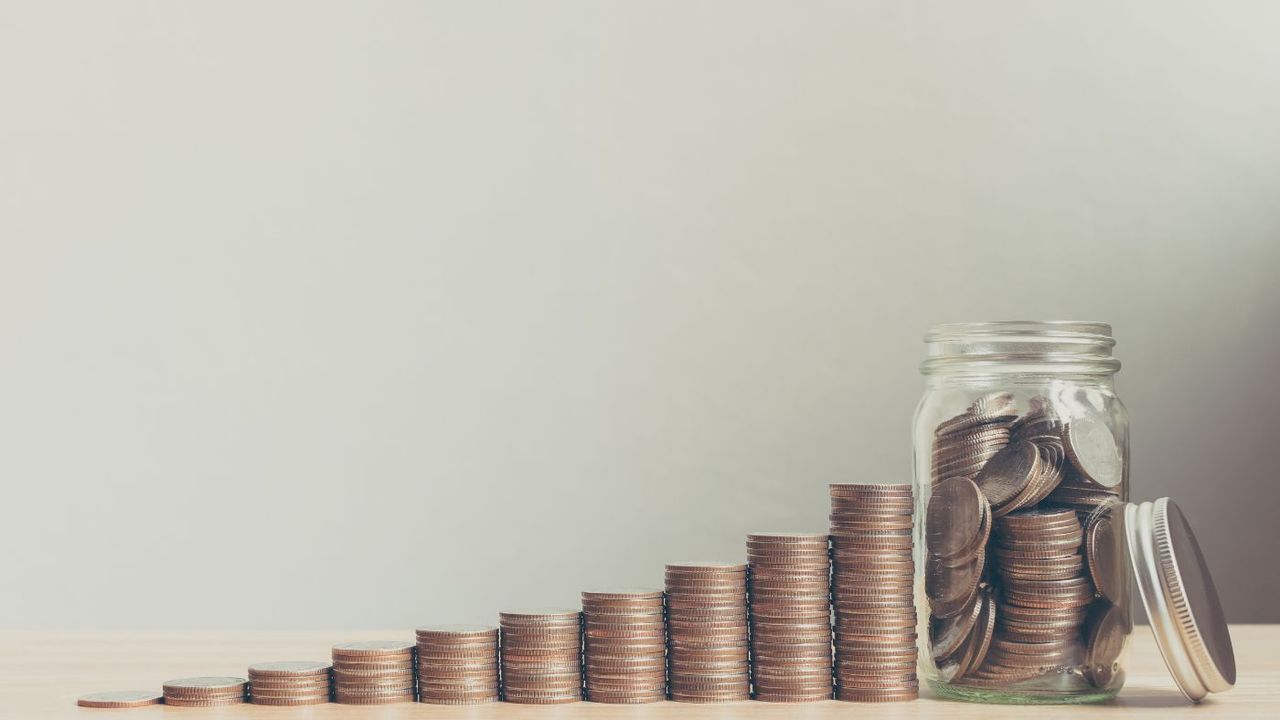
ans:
(41, 674)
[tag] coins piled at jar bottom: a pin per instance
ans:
(541, 656)
(625, 646)
(790, 611)
(373, 672)
(457, 664)
(206, 691)
(872, 589)
(1045, 595)
(707, 655)
(289, 682)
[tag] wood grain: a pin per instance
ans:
(41, 674)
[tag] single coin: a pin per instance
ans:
(979, 644)
(1008, 473)
(373, 648)
(200, 685)
(954, 522)
(1105, 557)
(119, 699)
(948, 635)
(949, 587)
(1108, 628)
(1092, 448)
(289, 668)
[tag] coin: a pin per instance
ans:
(206, 685)
(1007, 474)
(1093, 450)
(119, 699)
(955, 523)
(290, 669)
(1108, 629)
(949, 635)
(1105, 557)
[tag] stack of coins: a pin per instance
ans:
(707, 655)
(206, 691)
(1045, 598)
(625, 646)
(457, 664)
(790, 611)
(289, 682)
(873, 577)
(373, 672)
(964, 444)
(541, 656)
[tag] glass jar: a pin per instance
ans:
(1021, 453)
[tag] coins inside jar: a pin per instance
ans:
(1030, 598)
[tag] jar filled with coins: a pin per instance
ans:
(1021, 471)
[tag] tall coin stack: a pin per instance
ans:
(541, 656)
(790, 610)
(457, 664)
(625, 646)
(1045, 595)
(290, 682)
(206, 691)
(872, 581)
(373, 672)
(707, 655)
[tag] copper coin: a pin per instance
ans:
(954, 523)
(1105, 556)
(1108, 628)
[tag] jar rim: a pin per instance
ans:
(1091, 330)
(1052, 347)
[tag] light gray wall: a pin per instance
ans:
(373, 314)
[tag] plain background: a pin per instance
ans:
(377, 314)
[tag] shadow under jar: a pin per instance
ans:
(1021, 471)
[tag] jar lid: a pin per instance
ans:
(1180, 598)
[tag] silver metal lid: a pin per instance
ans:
(1181, 600)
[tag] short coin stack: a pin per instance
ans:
(625, 646)
(1045, 595)
(541, 656)
(790, 595)
(873, 577)
(457, 664)
(120, 699)
(707, 632)
(206, 691)
(289, 682)
(373, 672)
